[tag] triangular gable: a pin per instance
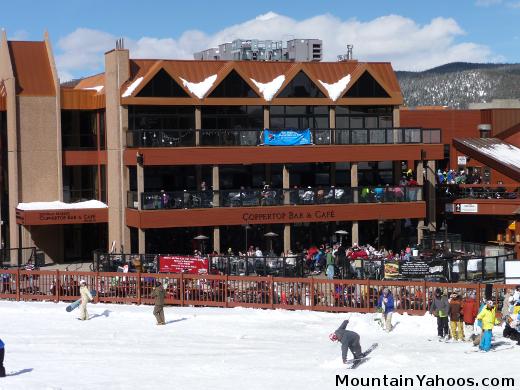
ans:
(365, 85)
(162, 85)
(301, 86)
(233, 86)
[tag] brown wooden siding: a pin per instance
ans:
(267, 215)
(78, 99)
(61, 217)
(71, 158)
(282, 154)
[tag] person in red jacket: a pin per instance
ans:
(469, 312)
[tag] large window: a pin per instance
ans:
(301, 86)
(233, 86)
(375, 173)
(162, 85)
(79, 129)
(233, 117)
(299, 117)
(161, 117)
(80, 183)
(364, 117)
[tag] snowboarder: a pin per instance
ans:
(487, 316)
(386, 305)
(439, 308)
(158, 310)
(86, 297)
(2, 352)
(348, 340)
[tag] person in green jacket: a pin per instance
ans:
(330, 263)
(439, 308)
(158, 310)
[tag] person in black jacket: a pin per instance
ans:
(2, 351)
(348, 340)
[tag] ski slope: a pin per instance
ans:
(211, 348)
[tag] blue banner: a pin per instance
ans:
(287, 137)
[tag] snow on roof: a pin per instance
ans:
(131, 88)
(96, 88)
(504, 152)
(199, 89)
(269, 89)
(335, 90)
(57, 205)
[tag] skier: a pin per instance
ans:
(487, 316)
(348, 340)
(2, 352)
(386, 305)
(470, 311)
(512, 328)
(439, 308)
(158, 310)
(86, 297)
(455, 312)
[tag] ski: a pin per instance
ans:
(501, 347)
(364, 354)
(357, 363)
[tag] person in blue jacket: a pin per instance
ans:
(2, 351)
(386, 305)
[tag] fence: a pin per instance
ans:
(234, 291)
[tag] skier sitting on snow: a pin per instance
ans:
(512, 328)
(386, 305)
(348, 340)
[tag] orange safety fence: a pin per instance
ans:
(265, 292)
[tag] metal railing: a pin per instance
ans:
(18, 257)
(413, 297)
(192, 199)
(477, 192)
(254, 137)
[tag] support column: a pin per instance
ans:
(266, 117)
(286, 185)
(140, 189)
(198, 125)
(286, 238)
(354, 185)
(420, 189)
(216, 186)
(430, 188)
(332, 124)
(216, 239)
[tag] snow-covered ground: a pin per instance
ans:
(209, 348)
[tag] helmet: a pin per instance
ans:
(490, 303)
(82, 281)
(333, 337)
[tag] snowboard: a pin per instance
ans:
(76, 304)
(354, 363)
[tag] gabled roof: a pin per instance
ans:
(32, 68)
(196, 71)
(493, 152)
(92, 83)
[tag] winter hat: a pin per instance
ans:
(454, 295)
(385, 290)
(333, 337)
(82, 282)
(511, 299)
(438, 291)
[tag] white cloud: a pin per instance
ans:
(402, 41)
(487, 3)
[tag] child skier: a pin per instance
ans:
(385, 304)
(487, 316)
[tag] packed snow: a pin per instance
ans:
(120, 347)
(132, 87)
(502, 151)
(336, 89)
(200, 89)
(268, 90)
(57, 205)
(97, 88)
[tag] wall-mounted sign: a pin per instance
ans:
(469, 208)
(462, 160)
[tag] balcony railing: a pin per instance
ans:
(188, 199)
(253, 137)
(478, 192)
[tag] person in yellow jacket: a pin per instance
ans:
(85, 298)
(487, 316)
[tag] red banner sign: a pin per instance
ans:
(183, 264)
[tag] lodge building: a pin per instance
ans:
(151, 153)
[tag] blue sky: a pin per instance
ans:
(413, 35)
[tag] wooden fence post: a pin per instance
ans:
(311, 293)
(182, 289)
(271, 290)
(18, 281)
(138, 287)
(57, 285)
(369, 296)
(226, 282)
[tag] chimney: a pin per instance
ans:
(484, 130)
